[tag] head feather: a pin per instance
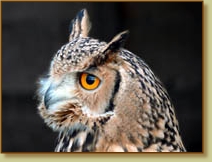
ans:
(80, 26)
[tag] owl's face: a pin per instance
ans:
(83, 80)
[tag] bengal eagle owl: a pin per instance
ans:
(101, 97)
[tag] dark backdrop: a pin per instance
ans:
(168, 36)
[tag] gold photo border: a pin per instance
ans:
(206, 104)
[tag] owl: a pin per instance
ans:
(100, 97)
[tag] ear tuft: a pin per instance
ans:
(108, 52)
(117, 42)
(80, 26)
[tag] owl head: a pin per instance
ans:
(84, 77)
(93, 85)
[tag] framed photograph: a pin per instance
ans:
(102, 77)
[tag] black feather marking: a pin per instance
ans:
(65, 143)
(143, 86)
(80, 15)
(74, 131)
(125, 149)
(132, 139)
(75, 145)
(115, 90)
(89, 140)
(94, 127)
(139, 149)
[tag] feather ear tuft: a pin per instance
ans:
(80, 26)
(117, 42)
(109, 52)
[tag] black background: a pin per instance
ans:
(167, 35)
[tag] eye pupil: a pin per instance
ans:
(90, 79)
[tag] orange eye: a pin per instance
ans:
(89, 81)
